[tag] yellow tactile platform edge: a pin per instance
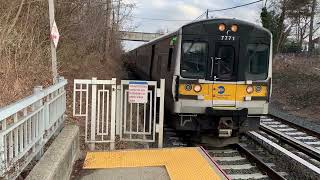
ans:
(181, 163)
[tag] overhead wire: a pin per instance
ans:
(160, 19)
(234, 7)
(199, 17)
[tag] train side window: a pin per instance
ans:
(258, 55)
(169, 59)
(194, 59)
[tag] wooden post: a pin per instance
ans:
(53, 49)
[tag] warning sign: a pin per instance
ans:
(55, 36)
(138, 92)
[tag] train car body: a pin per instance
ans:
(218, 75)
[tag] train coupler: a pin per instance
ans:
(224, 133)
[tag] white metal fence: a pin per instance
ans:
(107, 112)
(27, 125)
(95, 101)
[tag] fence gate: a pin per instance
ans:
(95, 100)
(132, 110)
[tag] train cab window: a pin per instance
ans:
(194, 59)
(258, 55)
(224, 65)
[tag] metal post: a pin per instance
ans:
(207, 13)
(93, 114)
(161, 113)
(113, 112)
(3, 148)
(118, 110)
(37, 90)
(53, 49)
(61, 123)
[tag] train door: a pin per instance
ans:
(224, 62)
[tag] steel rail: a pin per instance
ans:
(260, 164)
(284, 121)
(308, 150)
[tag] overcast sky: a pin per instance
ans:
(185, 10)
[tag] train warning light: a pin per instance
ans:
(249, 89)
(197, 88)
(234, 28)
(222, 27)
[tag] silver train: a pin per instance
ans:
(218, 76)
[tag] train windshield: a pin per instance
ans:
(194, 62)
(258, 55)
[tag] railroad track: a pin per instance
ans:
(294, 135)
(237, 161)
(304, 142)
(296, 145)
(240, 163)
(279, 150)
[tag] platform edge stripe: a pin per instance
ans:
(215, 163)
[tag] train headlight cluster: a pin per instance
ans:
(249, 89)
(222, 27)
(197, 88)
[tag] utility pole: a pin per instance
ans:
(311, 44)
(207, 13)
(108, 7)
(53, 48)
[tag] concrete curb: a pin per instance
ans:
(304, 122)
(57, 162)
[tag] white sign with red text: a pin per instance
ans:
(138, 92)
(55, 36)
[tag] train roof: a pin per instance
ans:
(230, 20)
(201, 21)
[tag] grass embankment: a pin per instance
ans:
(296, 85)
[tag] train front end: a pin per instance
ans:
(223, 81)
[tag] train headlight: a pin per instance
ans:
(249, 89)
(222, 27)
(197, 88)
(234, 28)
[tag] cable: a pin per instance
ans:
(159, 19)
(200, 16)
(186, 20)
(217, 10)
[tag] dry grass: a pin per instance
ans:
(296, 85)
(23, 49)
(25, 58)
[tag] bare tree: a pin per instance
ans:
(311, 44)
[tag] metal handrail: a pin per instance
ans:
(27, 125)
(11, 109)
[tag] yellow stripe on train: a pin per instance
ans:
(223, 91)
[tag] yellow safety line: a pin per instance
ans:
(181, 163)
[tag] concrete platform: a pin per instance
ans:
(162, 164)
(57, 161)
(141, 173)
